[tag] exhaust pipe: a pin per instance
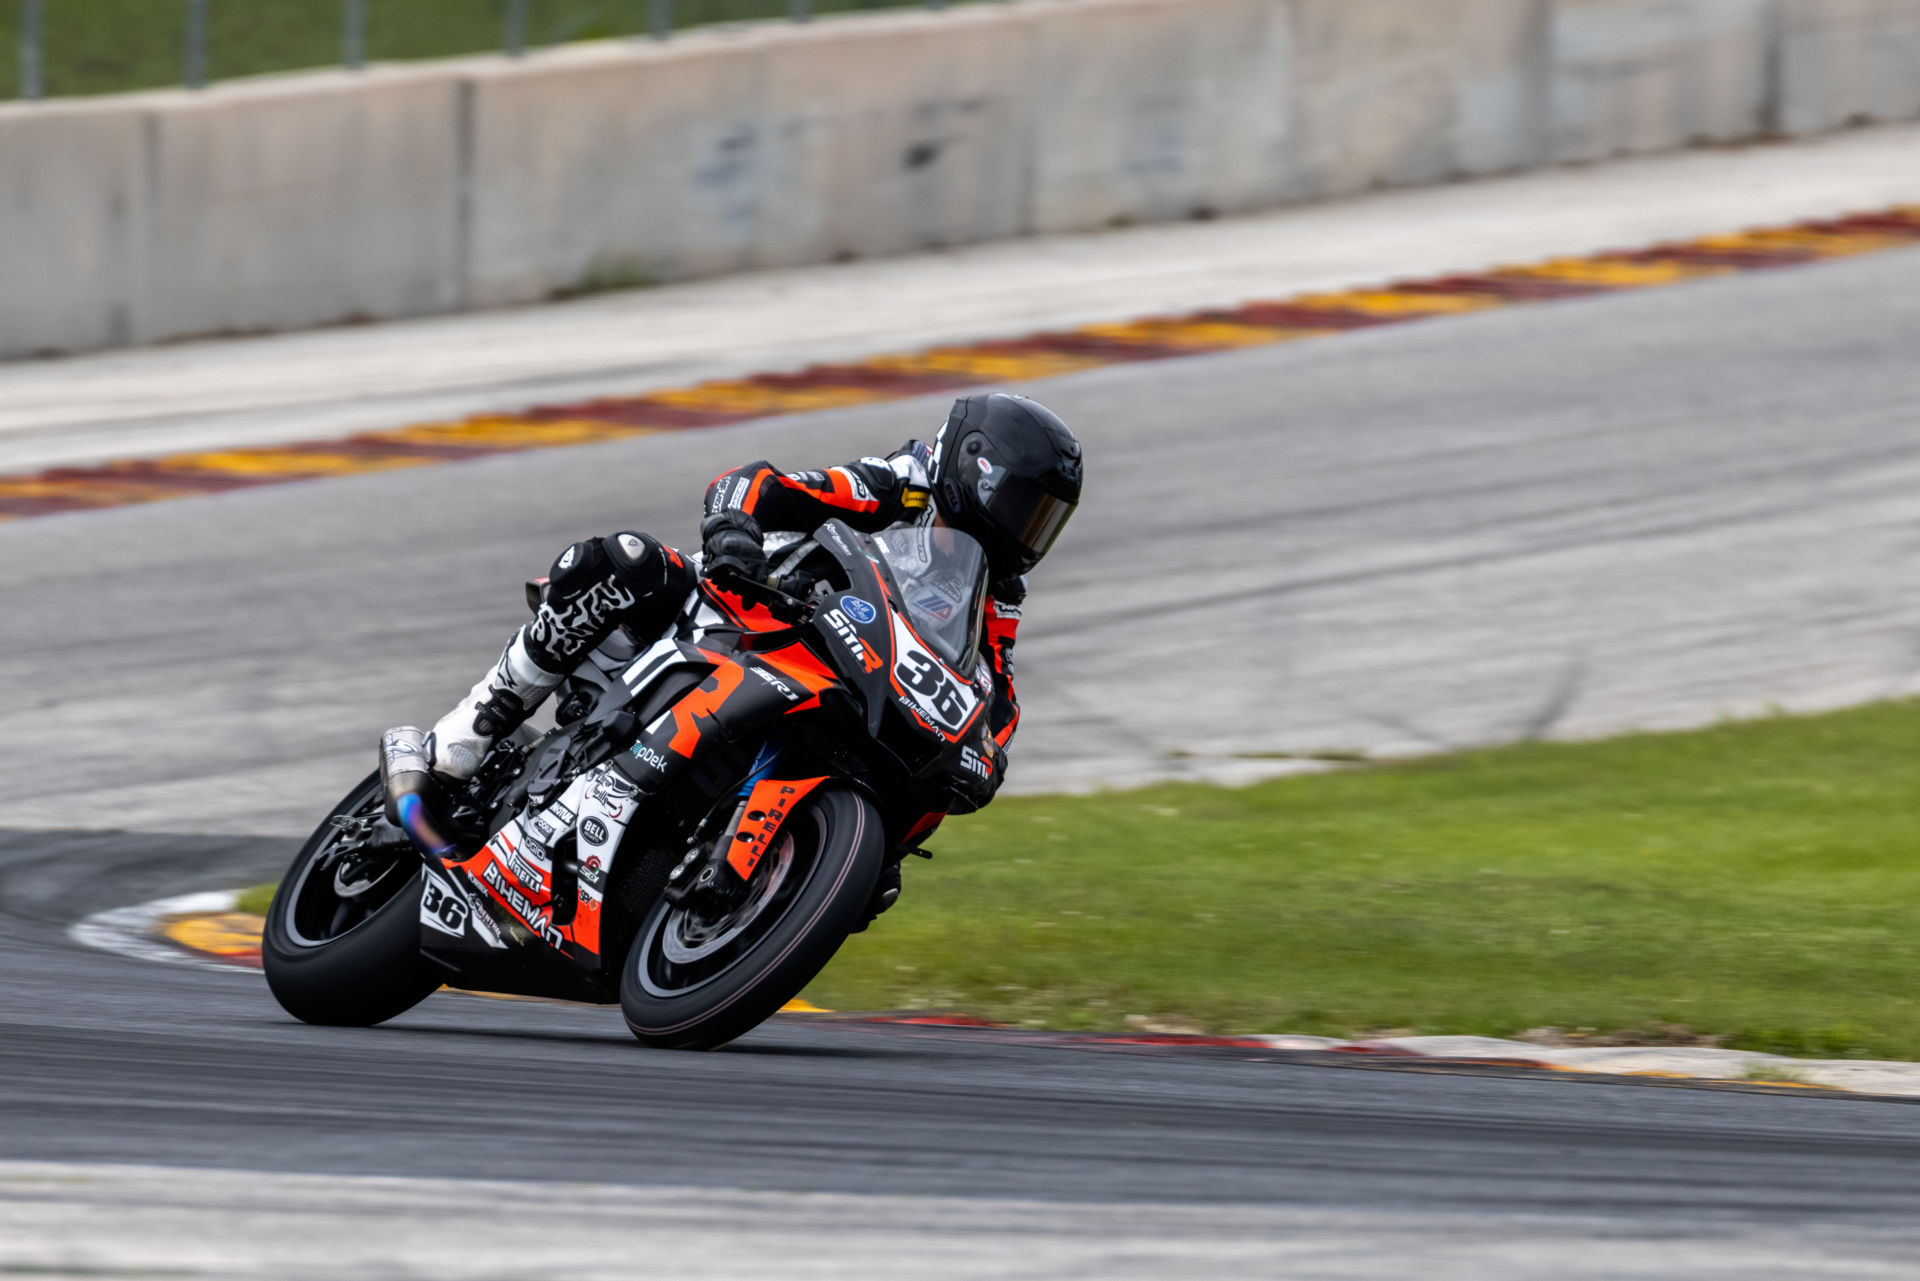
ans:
(405, 778)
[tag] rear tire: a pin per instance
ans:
(347, 961)
(837, 849)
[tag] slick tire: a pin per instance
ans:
(847, 844)
(366, 975)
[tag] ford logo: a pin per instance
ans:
(858, 609)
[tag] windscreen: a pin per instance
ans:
(941, 575)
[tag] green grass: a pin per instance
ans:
(110, 46)
(255, 900)
(1756, 882)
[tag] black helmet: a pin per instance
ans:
(1007, 471)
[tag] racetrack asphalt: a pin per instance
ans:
(109, 1060)
(1560, 520)
(1651, 509)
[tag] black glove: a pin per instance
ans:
(733, 544)
(982, 769)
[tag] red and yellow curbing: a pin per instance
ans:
(940, 369)
(233, 938)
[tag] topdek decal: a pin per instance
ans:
(858, 609)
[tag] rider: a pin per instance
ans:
(1003, 469)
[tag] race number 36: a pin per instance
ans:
(937, 692)
(442, 909)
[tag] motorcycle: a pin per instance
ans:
(711, 816)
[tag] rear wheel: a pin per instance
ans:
(342, 941)
(700, 974)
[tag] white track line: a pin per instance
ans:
(130, 931)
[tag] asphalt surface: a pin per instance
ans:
(109, 1060)
(1650, 509)
(1566, 519)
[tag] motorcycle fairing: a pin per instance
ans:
(884, 657)
(739, 698)
(767, 807)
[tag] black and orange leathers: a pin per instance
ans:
(869, 496)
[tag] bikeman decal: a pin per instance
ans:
(859, 609)
(593, 832)
(526, 909)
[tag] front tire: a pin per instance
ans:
(338, 957)
(693, 985)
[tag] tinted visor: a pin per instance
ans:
(1022, 510)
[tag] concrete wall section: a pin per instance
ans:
(301, 202)
(897, 134)
(1647, 75)
(72, 220)
(593, 172)
(1396, 92)
(1847, 61)
(1141, 112)
(314, 199)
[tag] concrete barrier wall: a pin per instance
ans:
(314, 199)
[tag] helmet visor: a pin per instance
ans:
(1022, 510)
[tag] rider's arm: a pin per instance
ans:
(1004, 600)
(869, 495)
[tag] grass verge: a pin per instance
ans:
(1754, 883)
(111, 46)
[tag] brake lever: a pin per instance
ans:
(789, 609)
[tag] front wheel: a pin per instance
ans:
(342, 941)
(700, 974)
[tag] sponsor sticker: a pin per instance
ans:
(443, 909)
(859, 609)
(844, 629)
(593, 832)
(785, 690)
(935, 606)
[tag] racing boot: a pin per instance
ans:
(593, 587)
(497, 705)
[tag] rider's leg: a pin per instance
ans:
(593, 587)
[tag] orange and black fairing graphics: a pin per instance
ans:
(737, 701)
(768, 805)
(752, 616)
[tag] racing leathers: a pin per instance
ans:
(630, 579)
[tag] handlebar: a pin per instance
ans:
(790, 609)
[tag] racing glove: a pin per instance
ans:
(910, 464)
(983, 769)
(732, 542)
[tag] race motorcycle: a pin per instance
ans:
(807, 732)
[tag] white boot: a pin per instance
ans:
(503, 699)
